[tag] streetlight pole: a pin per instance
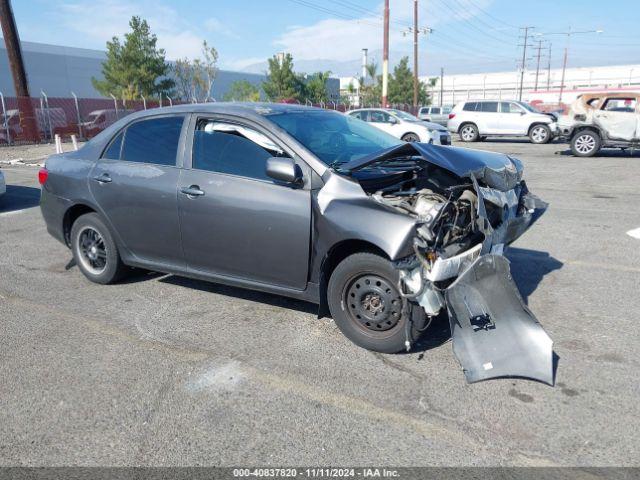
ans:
(385, 56)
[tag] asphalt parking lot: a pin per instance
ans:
(162, 370)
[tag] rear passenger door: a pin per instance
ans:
(135, 186)
(241, 223)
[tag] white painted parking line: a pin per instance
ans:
(635, 233)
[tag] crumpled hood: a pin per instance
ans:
(496, 170)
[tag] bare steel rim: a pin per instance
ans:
(539, 134)
(372, 303)
(468, 133)
(92, 251)
(585, 143)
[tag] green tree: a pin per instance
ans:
(135, 67)
(282, 83)
(401, 85)
(315, 88)
(242, 91)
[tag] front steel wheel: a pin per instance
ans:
(366, 305)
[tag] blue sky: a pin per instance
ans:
(469, 35)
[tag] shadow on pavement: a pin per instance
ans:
(605, 153)
(529, 267)
(243, 294)
(19, 197)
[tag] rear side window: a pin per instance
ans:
(153, 141)
(470, 107)
(435, 110)
(489, 107)
(113, 150)
(232, 149)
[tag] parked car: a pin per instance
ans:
(315, 205)
(403, 125)
(98, 120)
(3, 184)
(439, 115)
(475, 120)
(602, 120)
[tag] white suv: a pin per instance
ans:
(475, 120)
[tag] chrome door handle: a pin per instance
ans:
(104, 178)
(192, 191)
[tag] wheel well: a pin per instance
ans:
(464, 124)
(70, 216)
(531, 127)
(410, 133)
(334, 256)
(582, 128)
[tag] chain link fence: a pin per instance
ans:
(25, 120)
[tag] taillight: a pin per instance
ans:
(451, 115)
(43, 173)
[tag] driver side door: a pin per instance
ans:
(383, 121)
(240, 223)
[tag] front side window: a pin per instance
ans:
(377, 116)
(627, 105)
(232, 149)
(508, 107)
(361, 115)
(153, 141)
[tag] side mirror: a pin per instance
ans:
(284, 170)
(392, 120)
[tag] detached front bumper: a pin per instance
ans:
(494, 333)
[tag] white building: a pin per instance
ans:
(506, 85)
(545, 89)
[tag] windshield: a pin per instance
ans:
(407, 117)
(332, 137)
(528, 107)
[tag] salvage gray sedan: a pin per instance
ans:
(315, 205)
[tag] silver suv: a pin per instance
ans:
(435, 114)
(475, 120)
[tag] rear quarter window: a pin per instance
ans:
(470, 107)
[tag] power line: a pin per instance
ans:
(492, 16)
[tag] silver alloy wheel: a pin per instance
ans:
(585, 144)
(539, 134)
(92, 251)
(467, 133)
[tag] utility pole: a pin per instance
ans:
(385, 56)
(539, 48)
(524, 59)
(564, 69)
(16, 65)
(441, 85)
(415, 54)
(549, 69)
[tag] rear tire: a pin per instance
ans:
(94, 250)
(469, 133)
(540, 134)
(585, 143)
(365, 303)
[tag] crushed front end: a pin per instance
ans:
(464, 220)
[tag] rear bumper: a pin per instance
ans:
(53, 209)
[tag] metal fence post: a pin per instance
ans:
(5, 120)
(79, 118)
(170, 101)
(144, 102)
(115, 103)
(48, 112)
(160, 101)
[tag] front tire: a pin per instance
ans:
(540, 134)
(411, 137)
(469, 133)
(94, 250)
(585, 143)
(366, 305)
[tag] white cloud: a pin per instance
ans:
(100, 20)
(216, 26)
